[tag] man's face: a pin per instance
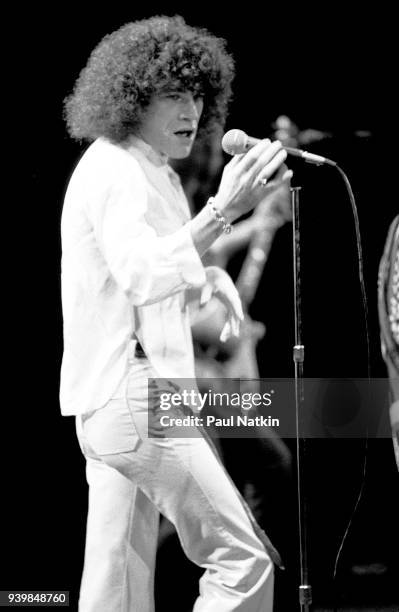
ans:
(170, 123)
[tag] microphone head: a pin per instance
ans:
(235, 142)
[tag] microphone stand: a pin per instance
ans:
(305, 590)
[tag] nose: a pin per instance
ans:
(191, 108)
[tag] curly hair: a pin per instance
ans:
(139, 60)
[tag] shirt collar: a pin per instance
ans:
(136, 143)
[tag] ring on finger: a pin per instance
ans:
(263, 182)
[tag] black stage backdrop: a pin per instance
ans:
(326, 70)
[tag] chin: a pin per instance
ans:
(184, 155)
(181, 153)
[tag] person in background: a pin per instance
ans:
(388, 311)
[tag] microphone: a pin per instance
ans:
(235, 142)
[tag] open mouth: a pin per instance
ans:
(184, 133)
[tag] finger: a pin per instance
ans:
(280, 179)
(250, 158)
(271, 167)
(280, 172)
(231, 328)
(237, 158)
(235, 327)
(234, 303)
(287, 175)
(234, 160)
(206, 294)
(226, 332)
(227, 293)
(279, 176)
(263, 157)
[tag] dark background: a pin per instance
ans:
(325, 69)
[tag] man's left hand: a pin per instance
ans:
(220, 285)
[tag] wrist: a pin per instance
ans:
(219, 215)
(226, 207)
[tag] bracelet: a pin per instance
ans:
(227, 228)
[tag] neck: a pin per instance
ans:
(158, 158)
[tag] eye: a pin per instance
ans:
(174, 96)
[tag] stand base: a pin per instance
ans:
(305, 596)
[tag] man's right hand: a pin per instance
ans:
(247, 179)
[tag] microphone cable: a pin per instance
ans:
(366, 324)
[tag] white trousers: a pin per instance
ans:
(132, 477)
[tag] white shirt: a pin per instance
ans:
(128, 257)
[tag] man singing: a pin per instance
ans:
(131, 264)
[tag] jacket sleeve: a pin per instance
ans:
(146, 266)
